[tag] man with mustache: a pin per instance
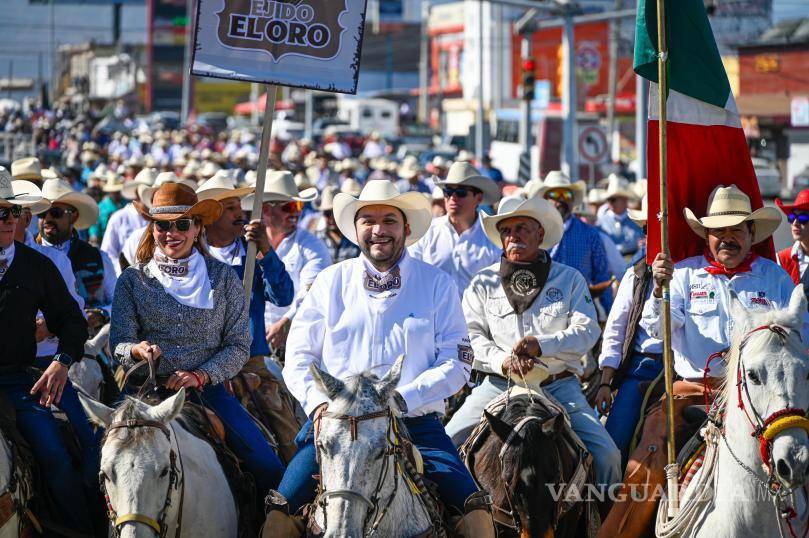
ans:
(530, 316)
(701, 323)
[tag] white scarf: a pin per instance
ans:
(64, 247)
(6, 257)
(231, 254)
(186, 280)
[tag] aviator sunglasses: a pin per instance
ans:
(561, 194)
(460, 192)
(56, 212)
(182, 225)
(288, 207)
(14, 211)
(802, 218)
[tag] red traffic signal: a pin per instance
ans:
(529, 65)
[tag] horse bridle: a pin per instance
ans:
(176, 481)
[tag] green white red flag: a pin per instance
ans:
(706, 144)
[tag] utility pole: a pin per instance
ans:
(479, 116)
(615, 26)
(189, 41)
(569, 99)
(116, 26)
(424, 64)
(308, 115)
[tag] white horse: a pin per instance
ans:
(159, 478)
(86, 375)
(10, 521)
(752, 482)
(364, 489)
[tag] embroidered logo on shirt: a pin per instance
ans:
(554, 294)
(391, 281)
(759, 300)
(465, 354)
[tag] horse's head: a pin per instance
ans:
(137, 459)
(530, 464)
(352, 453)
(767, 379)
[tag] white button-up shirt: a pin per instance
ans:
(701, 323)
(460, 255)
(803, 259)
(612, 344)
(562, 318)
(346, 330)
(304, 256)
(120, 226)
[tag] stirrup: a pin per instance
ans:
(480, 500)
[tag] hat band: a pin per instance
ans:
(726, 213)
(162, 210)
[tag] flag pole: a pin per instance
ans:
(261, 173)
(672, 469)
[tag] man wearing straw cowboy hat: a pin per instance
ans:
(29, 282)
(111, 203)
(457, 242)
(700, 288)
(327, 230)
(615, 221)
(530, 316)
(29, 169)
(303, 254)
(412, 308)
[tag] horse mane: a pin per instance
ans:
(129, 410)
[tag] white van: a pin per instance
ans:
(367, 115)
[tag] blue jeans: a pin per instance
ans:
(625, 411)
(442, 465)
(40, 429)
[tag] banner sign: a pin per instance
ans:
(301, 43)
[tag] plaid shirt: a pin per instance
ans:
(582, 249)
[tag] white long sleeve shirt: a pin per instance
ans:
(562, 318)
(120, 226)
(612, 343)
(462, 256)
(700, 309)
(346, 329)
(304, 257)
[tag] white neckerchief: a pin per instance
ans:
(194, 288)
(382, 286)
(231, 254)
(6, 257)
(64, 247)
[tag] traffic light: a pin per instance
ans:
(528, 77)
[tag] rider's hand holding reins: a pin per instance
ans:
(145, 351)
(188, 380)
(51, 384)
(604, 397)
(662, 271)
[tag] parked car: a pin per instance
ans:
(769, 178)
(800, 181)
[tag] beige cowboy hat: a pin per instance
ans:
(134, 189)
(279, 186)
(17, 192)
(174, 201)
(640, 186)
(729, 206)
(618, 186)
(207, 170)
(27, 168)
(326, 200)
(534, 207)
(463, 173)
(114, 182)
(351, 186)
(409, 168)
(59, 191)
(250, 178)
(640, 216)
(27, 191)
(222, 186)
(559, 180)
(531, 187)
(414, 205)
(50, 173)
(161, 179)
(596, 196)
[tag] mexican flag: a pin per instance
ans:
(706, 144)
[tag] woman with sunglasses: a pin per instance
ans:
(181, 306)
(795, 259)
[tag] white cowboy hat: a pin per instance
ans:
(26, 192)
(464, 156)
(414, 205)
(640, 216)
(162, 178)
(437, 194)
(463, 173)
(114, 183)
(596, 196)
(99, 172)
(58, 190)
(222, 186)
(534, 207)
(729, 206)
(531, 187)
(618, 186)
(134, 189)
(640, 186)
(352, 186)
(558, 180)
(409, 168)
(250, 178)
(326, 200)
(279, 186)
(207, 170)
(27, 168)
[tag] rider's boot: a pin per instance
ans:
(477, 520)
(279, 524)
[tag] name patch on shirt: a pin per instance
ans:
(391, 281)
(465, 354)
(700, 292)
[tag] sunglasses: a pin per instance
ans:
(460, 192)
(561, 194)
(57, 212)
(14, 211)
(289, 207)
(181, 225)
(802, 218)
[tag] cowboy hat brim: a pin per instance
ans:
(84, 204)
(31, 176)
(766, 219)
(220, 193)
(787, 209)
(414, 205)
(25, 194)
(621, 193)
(638, 216)
(208, 211)
(130, 188)
(117, 187)
(536, 208)
(306, 195)
(490, 190)
(579, 188)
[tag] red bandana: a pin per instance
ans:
(716, 268)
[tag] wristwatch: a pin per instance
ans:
(64, 359)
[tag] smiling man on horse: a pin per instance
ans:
(701, 324)
(361, 314)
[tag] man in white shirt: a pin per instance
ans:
(360, 315)
(528, 315)
(701, 325)
(456, 242)
(127, 219)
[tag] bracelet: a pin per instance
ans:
(608, 385)
(200, 381)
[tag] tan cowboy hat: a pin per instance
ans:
(99, 172)
(531, 187)
(463, 173)
(640, 216)
(409, 168)
(279, 186)
(640, 186)
(351, 186)
(534, 207)
(161, 179)
(134, 189)
(414, 205)
(596, 196)
(618, 186)
(27, 168)
(174, 201)
(326, 200)
(559, 180)
(222, 186)
(114, 182)
(24, 194)
(58, 190)
(729, 206)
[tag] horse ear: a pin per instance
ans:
(384, 387)
(331, 386)
(500, 428)
(97, 412)
(797, 307)
(553, 425)
(738, 312)
(168, 409)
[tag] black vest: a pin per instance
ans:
(88, 268)
(643, 278)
